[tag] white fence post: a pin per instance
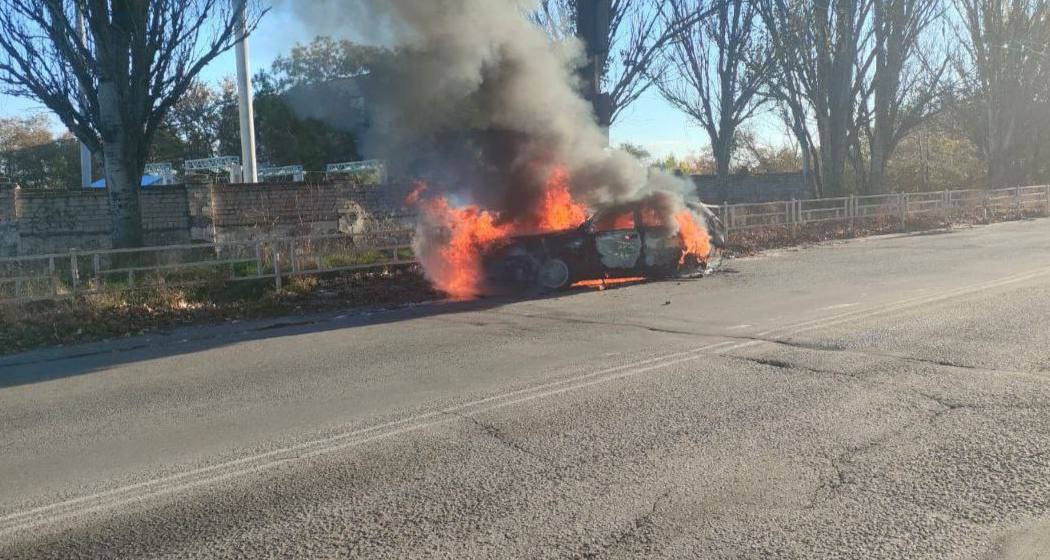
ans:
(850, 211)
(51, 276)
(73, 271)
(1046, 189)
(902, 210)
(96, 265)
(259, 260)
(277, 280)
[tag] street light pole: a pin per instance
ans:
(249, 172)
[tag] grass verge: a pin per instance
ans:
(105, 316)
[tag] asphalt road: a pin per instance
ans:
(879, 398)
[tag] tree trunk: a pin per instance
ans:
(877, 172)
(603, 110)
(123, 168)
(807, 172)
(122, 184)
(723, 154)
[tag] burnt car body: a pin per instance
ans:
(599, 248)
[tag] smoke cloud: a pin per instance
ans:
(481, 104)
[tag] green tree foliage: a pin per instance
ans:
(322, 60)
(692, 164)
(205, 122)
(285, 137)
(759, 157)
(936, 156)
(190, 129)
(637, 151)
(31, 157)
(17, 133)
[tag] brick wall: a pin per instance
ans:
(8, 224)
(56, 221)
(165, 215)
(238, 212)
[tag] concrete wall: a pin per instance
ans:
(35, 222)
(751, 188)
(56, 221)
(240, 212)
(165, 216)
(8, 224)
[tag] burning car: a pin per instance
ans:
(617, 243)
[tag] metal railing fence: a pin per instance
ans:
(64, 275)
(898, 206)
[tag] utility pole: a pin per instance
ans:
(249, 173)
(593, 18)
(85, 153)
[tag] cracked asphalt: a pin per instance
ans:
(879, 398)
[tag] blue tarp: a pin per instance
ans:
(147, 180)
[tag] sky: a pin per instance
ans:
(650, 121)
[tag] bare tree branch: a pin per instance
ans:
(715, 69)
(113, 88)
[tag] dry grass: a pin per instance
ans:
(105, 316)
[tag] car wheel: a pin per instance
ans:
(554, 274)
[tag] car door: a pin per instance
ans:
(662, 248)
(620, 247)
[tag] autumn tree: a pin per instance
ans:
(816, 44)
(621, 39)
(901, 83)
(114, 85)
(1004, 76)
(715, 70)
(32, 157)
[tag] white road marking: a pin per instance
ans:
(839, 306)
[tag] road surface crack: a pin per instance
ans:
(782, 364)
(638, 530)
(497, 434)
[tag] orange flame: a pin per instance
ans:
(452, 254)
(417, 193)
(455, 266)
(559, 210)
(695, 240)
(603, 283)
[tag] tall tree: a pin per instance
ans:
(817, 43)
(902, 81)
(622, 40)
(113, 88)
(31, 157)
(715, 70)
(1005, 74)
(17, 133)
(324, 59)
(189, 129)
